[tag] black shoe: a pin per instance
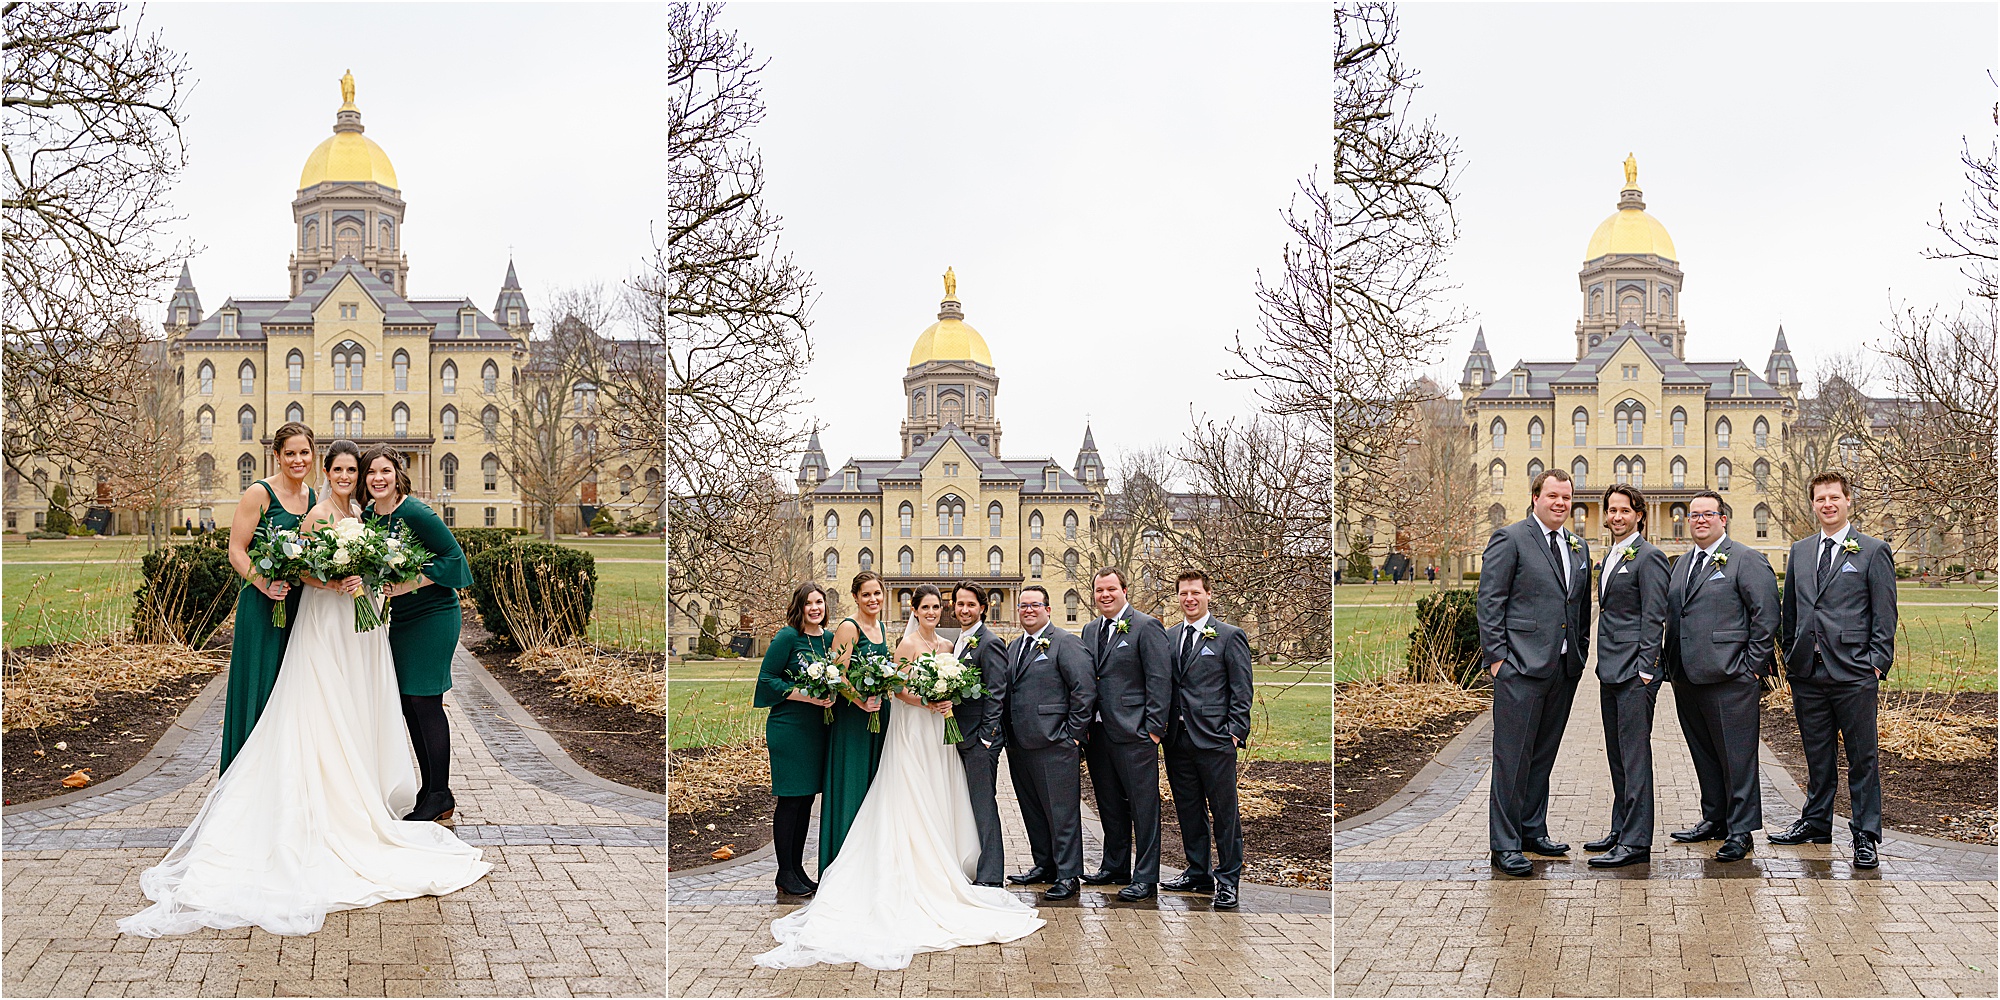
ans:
(1547, 848)
(1620, 855)
(1137, 891)
(1735, 847)
(989, 885)
(1106, 876)
(811, 883)
(1801, 832)
(1225, 896)
(1604, 843)
(1864, 852)
(1513, 863)
(1063, 888)
(1703, 830)
(794, 884)
(1189, 882)
(438, 807)
(1033, 876)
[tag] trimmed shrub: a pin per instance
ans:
(1446, 639)
(58, 520)
(708, 644)
(1471, 574)
(50, 535)
(186, 593)
(535, 593)
(602, 522)
(477, 540)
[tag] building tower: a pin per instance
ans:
(1478, 368)
(185, 309)
(951, 379)
(511, 308)
(348, 205)
(1631, 274)
(1780, 370)
(1089, 467)
(812, 468)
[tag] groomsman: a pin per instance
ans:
(1135, 671)
(1050, 696)
(1722, 623)
(1207, 722)
(1631, 625)
(1534, 625)
(1839, 628)
(979, 722)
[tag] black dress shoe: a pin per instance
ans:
(1106, 876)
(1735, 847)
(1547, 848)
(1137, 891)
(1703, 830)
(1063, 888)
(1604, 843)
(1864, 852)
(1225, 896)
(794, 884)
(438, 807)
(1512, 863)
(1033, 876)
(1620, 855)
(989, 885)
(1189, 882)
(1801, 832)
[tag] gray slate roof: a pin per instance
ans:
(874, 471)
(1543, 376)
(440, 314)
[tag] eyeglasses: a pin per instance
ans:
(1030, 605)
(1703, 515)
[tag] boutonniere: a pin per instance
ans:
(1208, 632)
(1575, 543)
(1631, 553)
(972, 643)
(1122, 625)
(1851, 546)
(1042, 643)
(1722, 558)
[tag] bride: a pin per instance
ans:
(903, 880)
(304, 822)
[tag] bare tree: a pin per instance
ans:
(1137, 533)
(737, 308)
(1438, 486)
(93, 145)
(557, 409)
(145, 468)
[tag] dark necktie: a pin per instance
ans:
(1562, 564)
(1825, 560)
(1694, 575)
(1187, 644)
(1103, 636)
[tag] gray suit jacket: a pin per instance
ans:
(1212, 687)
(1051, 693)
(1524, 615)
(1135, 679)
(979, 718)
(1851, 618)
(1632, 613)
(1726, 627)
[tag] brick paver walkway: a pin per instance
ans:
(1419, 911)
(572, 907)
(1276, 944)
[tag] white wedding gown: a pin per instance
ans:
(306, 819)
(903, 880)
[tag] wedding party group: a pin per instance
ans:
(344, 634)
(1710, 620)
(910, 845)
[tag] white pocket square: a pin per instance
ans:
(1717, 576)
(1205, 651)
(1122, 645)
(1041, 657)
(1622, 569)
(1848, 568)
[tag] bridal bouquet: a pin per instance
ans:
(349, 548)
(403, 558)
(819, 677)
(278, 554)
(871, 675)
(943, 677)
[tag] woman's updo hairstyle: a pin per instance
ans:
(927, 590)
(341, 447)
(395, 461)
(288, 430)
(860, 578)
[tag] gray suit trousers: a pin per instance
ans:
(1628, 743)
(1825, 707)
(1126, 778)
(1529, 715)
(1720, 722)
(982, 768)
(1049, 783)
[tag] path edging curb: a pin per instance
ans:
(1446, 757)
(550, 749)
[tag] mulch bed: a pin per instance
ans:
(1378, 763)
(1953, 800)
(615, 742)
(741, 822)
(107, 739)
(1293, 848)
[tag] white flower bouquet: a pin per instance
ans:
(349, 548)
(936, 677)
(819, 677)
(278, 554)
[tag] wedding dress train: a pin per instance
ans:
(305, 821)
(902, 883)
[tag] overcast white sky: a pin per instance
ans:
(536, 125)
(1793, 151)
(1105, 179)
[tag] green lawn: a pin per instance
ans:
(713, 707)
(45, 604)
(629, 608)
(1369, 641)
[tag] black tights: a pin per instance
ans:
(428, 733)
(788, 831)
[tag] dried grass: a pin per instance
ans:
(42, 691)
(697, 781)
(1390, 702)
(1253, 802)
(588, 674)
(1934, 733)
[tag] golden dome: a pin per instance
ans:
(348, 156)
(950, 340)
(1631, 230)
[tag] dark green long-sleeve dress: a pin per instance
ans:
(796, 731)
(852, 754)
(258, 648)
(424, 624)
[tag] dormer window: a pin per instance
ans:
(1051, 479)
(1742, 383)
(1520, 383)
(466, 322)
(229, 324)
(181, 316)
(513, 316)
(853, 479)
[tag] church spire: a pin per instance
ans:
(1780, 370)
(812, 468)
(511, 308)
(1478, 366)
(1089, 467)
(184, 311)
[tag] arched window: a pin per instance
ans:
(1035, 564)
(1680, 518)
(1071, 602)
(489, 378)
(1680, 473)
(1638, 472)
(993, 518)
(1850, 451)
(917, 403)
(1070, 561)
(1535, 432)
(448, 423)
(1035, 525)
(204, 473)
(246, 373)
(1680, 422)
(295, 414)
(399, 367)
(206, 376)
(625, 486)
(1534, 469)
(1580, 422)
(246, 424)
(204, 422)
(1620, 470)
(865, 523)
(448, 466)
(944, 561)
(993, 561)
(448, 377)
(1497, 472)
(1722, 475)
(951, 515)
(1069, 526)
(399, 419)
(1763, 516)
(489, 468)
(832, 526)
(984, 403)
(348, 359)
(1579, 471)
(957, 560)
(246, 471)
(866, 560)
(339, 420)
(832, 565)
(1496, 516)
(1630, 421)
(905, 515)
(355, 413)
(1722, 432)
(295, 371)
(1762, 473)
(489, 422)
(906, 561)
(1760, 433)
(1499, 431)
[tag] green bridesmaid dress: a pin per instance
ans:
(424, 623)
(796, 731)
(852, 754)
(258, 648)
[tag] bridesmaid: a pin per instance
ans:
(423, 625)
(259, 647)
(795, 733)
(852, 752)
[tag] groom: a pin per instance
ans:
(1050, 696)
(979, 722)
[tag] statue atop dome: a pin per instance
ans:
(347, 89)
(950, 283)
(1631, 172)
